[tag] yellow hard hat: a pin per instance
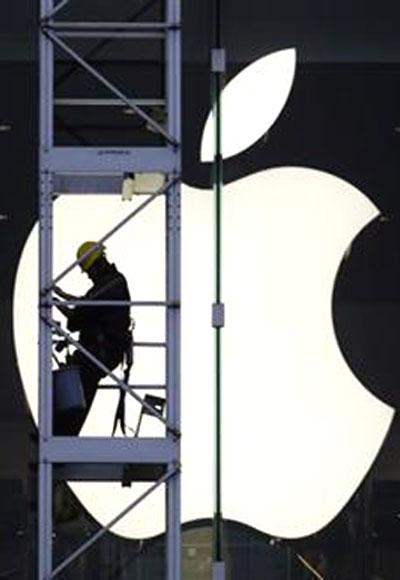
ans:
(92, 257)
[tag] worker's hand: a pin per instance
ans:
(63, 294)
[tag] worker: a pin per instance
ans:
(104, 331)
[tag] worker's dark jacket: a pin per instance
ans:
(103, 330)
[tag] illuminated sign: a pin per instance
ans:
(300, 431)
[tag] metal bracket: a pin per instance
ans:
(218, 60)
(218, 315)
(218, 571)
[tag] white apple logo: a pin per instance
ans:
(299, 430)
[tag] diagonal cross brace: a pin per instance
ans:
(56, 9)
(111, 87)
(109, 373)
(106, 528)
(99, 46)
(161, 191)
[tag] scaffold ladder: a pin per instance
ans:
(87, 169)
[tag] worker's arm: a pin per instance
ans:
(64, 295)
(73, 314)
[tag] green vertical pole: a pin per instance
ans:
(218, 65)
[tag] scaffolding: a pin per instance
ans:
(103, 168)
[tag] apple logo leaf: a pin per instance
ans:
(251, 103)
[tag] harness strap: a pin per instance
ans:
(120, 411)
(119, 417)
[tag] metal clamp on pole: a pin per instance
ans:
(218, 315)
(218, 571)
(218, 60)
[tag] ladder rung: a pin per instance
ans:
(108, 25)
(63, 102)
(95, 303)
(136, 387)
(150, 344)
(110, 34)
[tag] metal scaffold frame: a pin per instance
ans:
(64, 170)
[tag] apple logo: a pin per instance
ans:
(300, 431)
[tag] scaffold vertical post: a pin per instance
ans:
(45, 487)
(74, 170)
(173, 85)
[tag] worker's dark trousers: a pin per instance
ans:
(70, 423)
